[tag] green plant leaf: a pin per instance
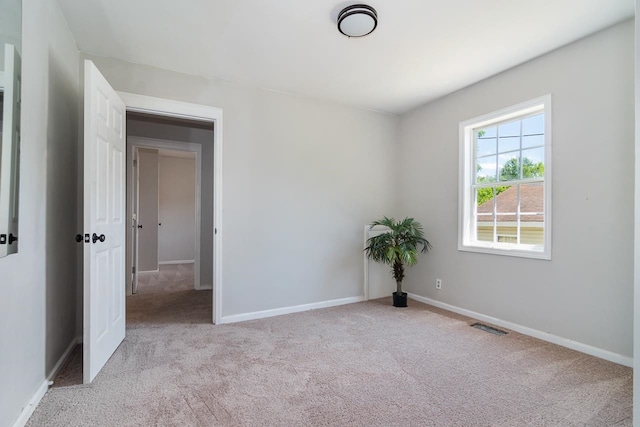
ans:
(399, 245)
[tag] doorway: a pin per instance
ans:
(199, 119)
(166, 211)
(169, 202)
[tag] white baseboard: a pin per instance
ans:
(27, 411)
(204, 287)
(179, 261)
(288, 310)
(544, 336)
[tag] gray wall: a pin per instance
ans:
(585, 292)
(62, 174)
(301, 177)
(37, 304)
(148, 162)
(177, 209)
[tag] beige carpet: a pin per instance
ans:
(365, 364)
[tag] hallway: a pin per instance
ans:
(168, 297)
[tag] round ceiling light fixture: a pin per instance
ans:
(357, 20)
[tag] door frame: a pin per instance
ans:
(134, 142)
(170, 108)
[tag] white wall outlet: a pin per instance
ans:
(438, 283)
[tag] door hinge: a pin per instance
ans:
(135, 163)
(133, 270)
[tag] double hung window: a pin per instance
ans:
(505, 185)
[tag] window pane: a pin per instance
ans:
(509, 144)
(509, 129)
(533, 163)
(506, 210)
(486, 169)
(484, 214)
(532, 141)
(532, 214)
(490, 132)
(533, 125)
(484, 198)
(509, 166)
(485, 146)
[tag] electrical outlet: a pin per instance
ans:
(438, 283)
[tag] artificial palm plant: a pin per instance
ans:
(397, 247)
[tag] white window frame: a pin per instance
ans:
(467, 240)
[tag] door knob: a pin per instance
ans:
(95, 238)
(139, 226)
(86, 238)
(12, 238)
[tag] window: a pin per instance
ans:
(505, 181)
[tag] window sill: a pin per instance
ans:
(505, 251)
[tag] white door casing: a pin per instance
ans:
(104, 215)
(10, 150)
(171, 108)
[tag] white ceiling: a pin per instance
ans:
(421, 50)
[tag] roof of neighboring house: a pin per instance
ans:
(531, 201)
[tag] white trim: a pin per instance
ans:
(288, 310)
(148, 271)
(179, 261)
(466, 196)
(159, 106)
(27, 411)
(56, 369)
(544, 336)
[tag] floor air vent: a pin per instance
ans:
(488, 329)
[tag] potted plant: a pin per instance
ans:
(397, 247)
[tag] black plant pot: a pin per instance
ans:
(400, 300)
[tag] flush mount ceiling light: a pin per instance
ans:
(357, 20)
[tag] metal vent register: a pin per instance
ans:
(488, 329)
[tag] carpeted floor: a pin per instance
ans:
(365, 364)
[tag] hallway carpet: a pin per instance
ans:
(364, 364)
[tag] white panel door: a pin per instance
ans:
(104, 221)
(381, 282)
(10, 151)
